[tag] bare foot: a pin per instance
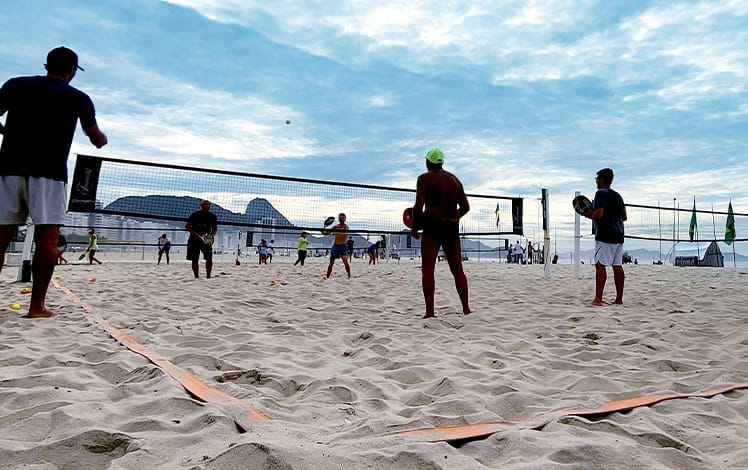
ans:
(597, 302)
(43, 313)
(467, 312)
(428, 315)
(618, 301)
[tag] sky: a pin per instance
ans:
(520, 95)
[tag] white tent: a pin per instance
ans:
(698, 254)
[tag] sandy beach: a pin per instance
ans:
(342, 367)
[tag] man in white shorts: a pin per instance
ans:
(608, 214)
(43, 112)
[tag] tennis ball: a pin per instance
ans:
(288, 121)
(15, 307)
(273, 282)
(25, 290)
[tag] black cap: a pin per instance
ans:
(61, 59)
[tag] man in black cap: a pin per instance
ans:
(43, 112)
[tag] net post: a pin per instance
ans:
(26, 255)
(546, 233)
(577, 238)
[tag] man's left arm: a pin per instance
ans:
(464, 205)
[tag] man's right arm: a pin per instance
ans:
(188, 227)
(418, 206)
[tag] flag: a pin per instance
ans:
(692, 226)
(730, 226)
(497, 214)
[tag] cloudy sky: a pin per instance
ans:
(519, 94)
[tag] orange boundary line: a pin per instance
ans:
(468, 431)
(243, 413)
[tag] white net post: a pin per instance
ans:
(577, 241)
(26, 255)
(546, 233)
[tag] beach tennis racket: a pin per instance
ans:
(208, 239)
(411, 220)
(328, 222)
(582, 205)
(83, 255)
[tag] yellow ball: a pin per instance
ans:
(15, 307)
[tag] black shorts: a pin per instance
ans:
(443, 231)
(195, 247)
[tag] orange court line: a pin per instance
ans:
(478, 430)
(242, 412)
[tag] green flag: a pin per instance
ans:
(692, 226)
(730, 226)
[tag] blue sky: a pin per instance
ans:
(519, 94)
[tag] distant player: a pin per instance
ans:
(373, 251)
(340, 246)
(93, 247)
(164, 245)
(62, 246)
(301, 248)
(202, 225)
(350, 244)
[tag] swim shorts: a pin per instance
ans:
(44, 199)
(195, 247)
(443, 231)
(338, 251)
(609, 254)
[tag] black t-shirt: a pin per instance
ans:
(609, 227)
(203, 222)
(39, 128)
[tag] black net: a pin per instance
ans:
(127, 196)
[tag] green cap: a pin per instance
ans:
(435, 156)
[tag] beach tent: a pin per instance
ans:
(698, 254)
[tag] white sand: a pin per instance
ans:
(339, 366)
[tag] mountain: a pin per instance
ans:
(258, 210)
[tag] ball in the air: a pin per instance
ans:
(288, 121)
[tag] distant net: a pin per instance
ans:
(123, 190)
(646, 222)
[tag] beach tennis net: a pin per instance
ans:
(144, 191)
(674, 224)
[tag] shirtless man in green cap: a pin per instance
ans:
(445, 203)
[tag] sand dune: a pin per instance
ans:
(341, 367)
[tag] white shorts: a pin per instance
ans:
(609, 254)
(44, 199)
